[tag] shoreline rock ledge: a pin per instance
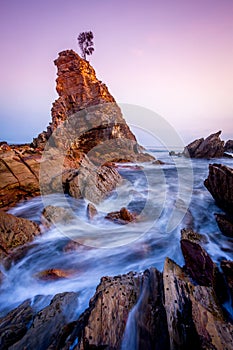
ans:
(87, 131)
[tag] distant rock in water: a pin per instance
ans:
(211, 147)
(88, 116)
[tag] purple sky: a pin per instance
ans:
(174, 57)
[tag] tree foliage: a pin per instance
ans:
(85, 41)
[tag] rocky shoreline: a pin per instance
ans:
(178, 308)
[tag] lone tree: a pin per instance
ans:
(85, 41)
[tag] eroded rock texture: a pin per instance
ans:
(86, 116)
(15, 232)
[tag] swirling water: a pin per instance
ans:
(168, 197)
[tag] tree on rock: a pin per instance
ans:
(85, 41)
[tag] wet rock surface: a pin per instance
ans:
(15, 232)
(211, 147)
(177, 309)
(43, 330)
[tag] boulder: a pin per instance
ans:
(91, 211)
(15, 232)
(52, 215)
(54, 274)
(93, 183)
(121, 217)
(211, 147)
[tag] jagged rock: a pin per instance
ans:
(86, 116)
(225, 225)
(15, 324)
(91, 211)
(197, 262)
(220, 185)
(52, 215)
(93, 183)
(195, 318)
(54, 274)
(102, 325)
(211, 147)
(228, 146)
(121, 217)
(15, 232)
(199, 265)
(47, 323)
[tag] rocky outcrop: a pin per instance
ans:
(211, 147)
(15, 232)
(225, 224)
(93, 183)
(87, 126)
(15, 324)
(220, 185)
(86, 116)
(176, 309)
(118, 301)
(19, 174)
(23, 328)
(229, 146)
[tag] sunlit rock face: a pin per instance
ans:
(86, 115)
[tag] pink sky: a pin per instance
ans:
(173, 57)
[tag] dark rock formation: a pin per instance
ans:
(15, 232)
(15, 324)
(211, 147)
(227, 267)
(43, 331)
(102, 325)
(121, 217)
(220, 185)
(228, 146)
(225, 224)
(198, 263)
(194, 315)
